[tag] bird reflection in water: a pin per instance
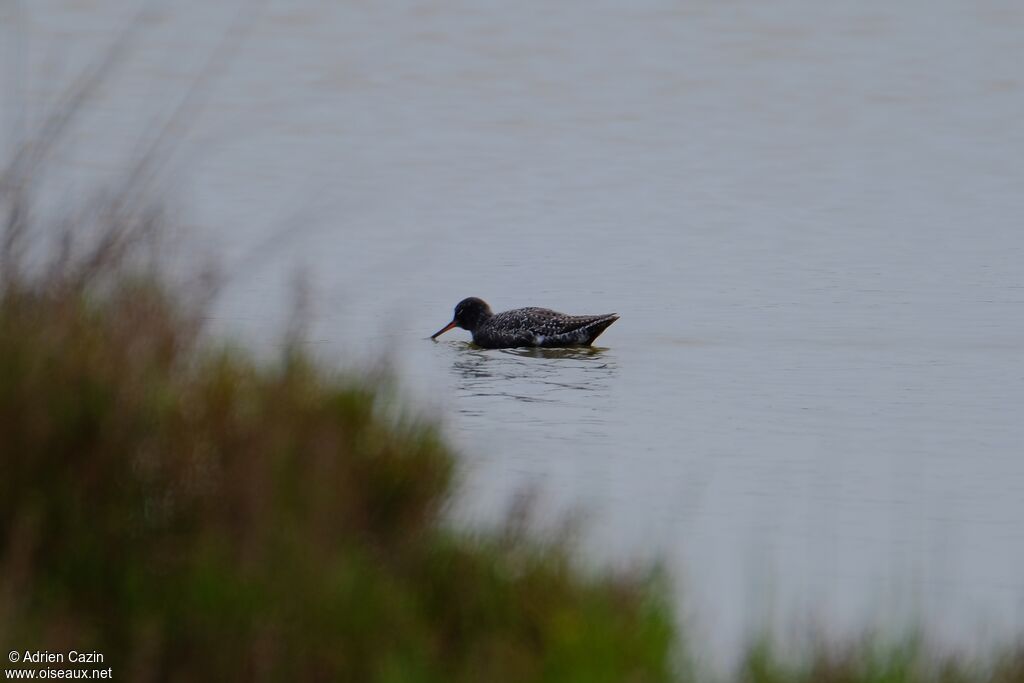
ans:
(533, 375)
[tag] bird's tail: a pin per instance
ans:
(599, 325)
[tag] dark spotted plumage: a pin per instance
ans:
(525, 326)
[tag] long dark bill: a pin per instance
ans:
(443, 330)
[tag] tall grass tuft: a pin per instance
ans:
(196, 513)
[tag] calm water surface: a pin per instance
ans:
(808, 215)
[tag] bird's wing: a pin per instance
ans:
(544, 322)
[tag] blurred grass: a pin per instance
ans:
(874, 659)
(198, 514)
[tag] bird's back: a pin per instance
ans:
(541, 327)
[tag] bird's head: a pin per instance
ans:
(469, 315)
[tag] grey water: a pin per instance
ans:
(810, 217)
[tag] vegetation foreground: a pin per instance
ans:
(195, 514)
